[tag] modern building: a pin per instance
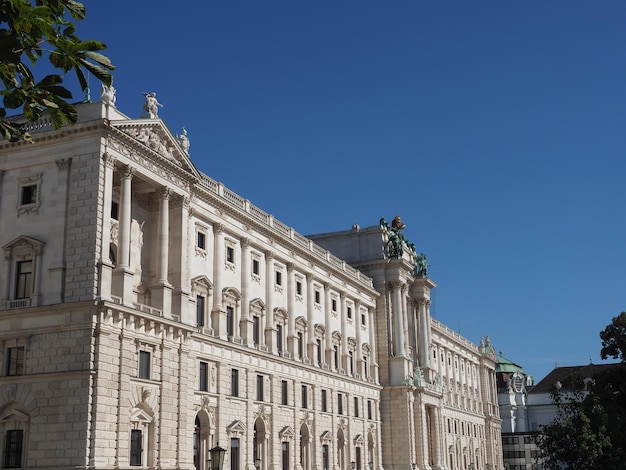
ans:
(149, 314)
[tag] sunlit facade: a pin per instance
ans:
(149, 314)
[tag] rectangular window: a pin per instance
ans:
(369, 410)
(299, 288)
(234, 382)
(15, 361)
(351, 361)
(24, 279)
(256, 269)
(135, 447)
(336, 354)
(285, 456)
(284, 392)
(29, 194)
(199, 310)
(230, 321)
(366, 371)
(363, 323)
(255, 329)
(259, 387)
(204, 377)
(201, 240)
(300, 345)
(230, 254)
(144, 365)
(333, 304)
(317, 297)
(325, 457)
(235, 456)
(324, 400)
(279, 278)
(14, 439)
(305, 396)
(279, 337)
(356, 407)
(349, 312)
(340, 403)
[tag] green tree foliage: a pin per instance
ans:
(614, 338)
(29, 32)
(589, 431)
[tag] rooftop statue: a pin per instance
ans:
(421, 266)
(108, 95)
(150, 106)
(183, 140)
(396, 240)
(397, 223)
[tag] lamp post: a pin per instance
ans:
(414, 466)
(257, 463)
(353, 465)
(370, 465)
(217, 454)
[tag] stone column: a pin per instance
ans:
(424, 333)
(345, 359)
(359, 342)
(218, 313)
(37, 268)
(123, 247)
(291, 298)
(162, 291)
(310, 333)
(122, 274)
(436, 437)
(398, 315)
(164, 235)
(246, 320)
(106, 264)
(182, 244)
(422, 438)
(266, 327)
(372, 342)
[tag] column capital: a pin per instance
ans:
(63, 163)
(165, 192)
(127, 171)
(108, 160)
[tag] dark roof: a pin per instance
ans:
(559, 374)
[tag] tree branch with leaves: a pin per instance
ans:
(30, 32)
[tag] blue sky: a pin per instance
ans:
(495, 129)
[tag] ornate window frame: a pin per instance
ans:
(22, 249)
(29, 182)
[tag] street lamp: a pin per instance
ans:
(353, 465)
(413, 465)
(370, 465)
(217, 454)
(257, 463)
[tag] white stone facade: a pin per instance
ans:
(148, 314)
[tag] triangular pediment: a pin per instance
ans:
(287, 433)
(237, 427)
(157, 139)
(24, 241)
(326, 437)
(11, 414)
